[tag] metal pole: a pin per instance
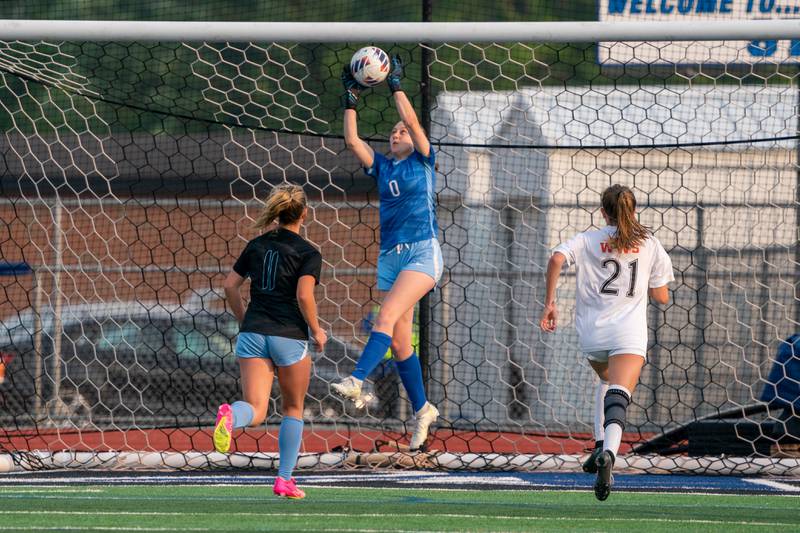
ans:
(57, 325)
(700, 257)
(38, 393)
(797, 214)
(425, 120)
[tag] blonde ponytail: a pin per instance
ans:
(619, 204)
(286, 203)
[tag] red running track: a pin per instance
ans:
(315, 440)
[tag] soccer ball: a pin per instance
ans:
(370, 66)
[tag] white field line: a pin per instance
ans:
(403, 515)
(774, 484)
(99, 528)
(144, 528)
(538, 489)
(200, 478)
(48, 490)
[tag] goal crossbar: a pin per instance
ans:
(554, 32)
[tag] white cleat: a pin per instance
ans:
(364, 400)
(424, 418)
(349, 388)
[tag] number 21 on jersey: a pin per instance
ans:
(613, 264)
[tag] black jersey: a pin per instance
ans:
(274, 262)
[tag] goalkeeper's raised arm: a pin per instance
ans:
(406, 111)
(352, 91)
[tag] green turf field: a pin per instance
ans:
(252, 508)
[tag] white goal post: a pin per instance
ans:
(399, 32)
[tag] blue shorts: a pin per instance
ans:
(422, 256)
(282, 351)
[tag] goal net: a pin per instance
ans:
(131, 173)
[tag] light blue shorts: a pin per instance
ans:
(282, 351)
(602, 356)
(422, 256)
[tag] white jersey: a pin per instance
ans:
(612, 288)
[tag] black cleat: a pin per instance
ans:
(590, 465)
(605, 479)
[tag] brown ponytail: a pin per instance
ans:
(620, 206)
(286, 203)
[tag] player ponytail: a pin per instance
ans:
(619, 204)
(286, 203)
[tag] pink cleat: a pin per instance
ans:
(223, 428)
(287, 489)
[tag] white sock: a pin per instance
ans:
(613, 438)
(599, 410)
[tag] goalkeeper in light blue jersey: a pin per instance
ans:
(410, 260)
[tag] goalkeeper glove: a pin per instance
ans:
(396, 75)
(352, 89)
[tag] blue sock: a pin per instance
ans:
(411, 374)
(242, 414)
(373, 354)
(289, 438)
